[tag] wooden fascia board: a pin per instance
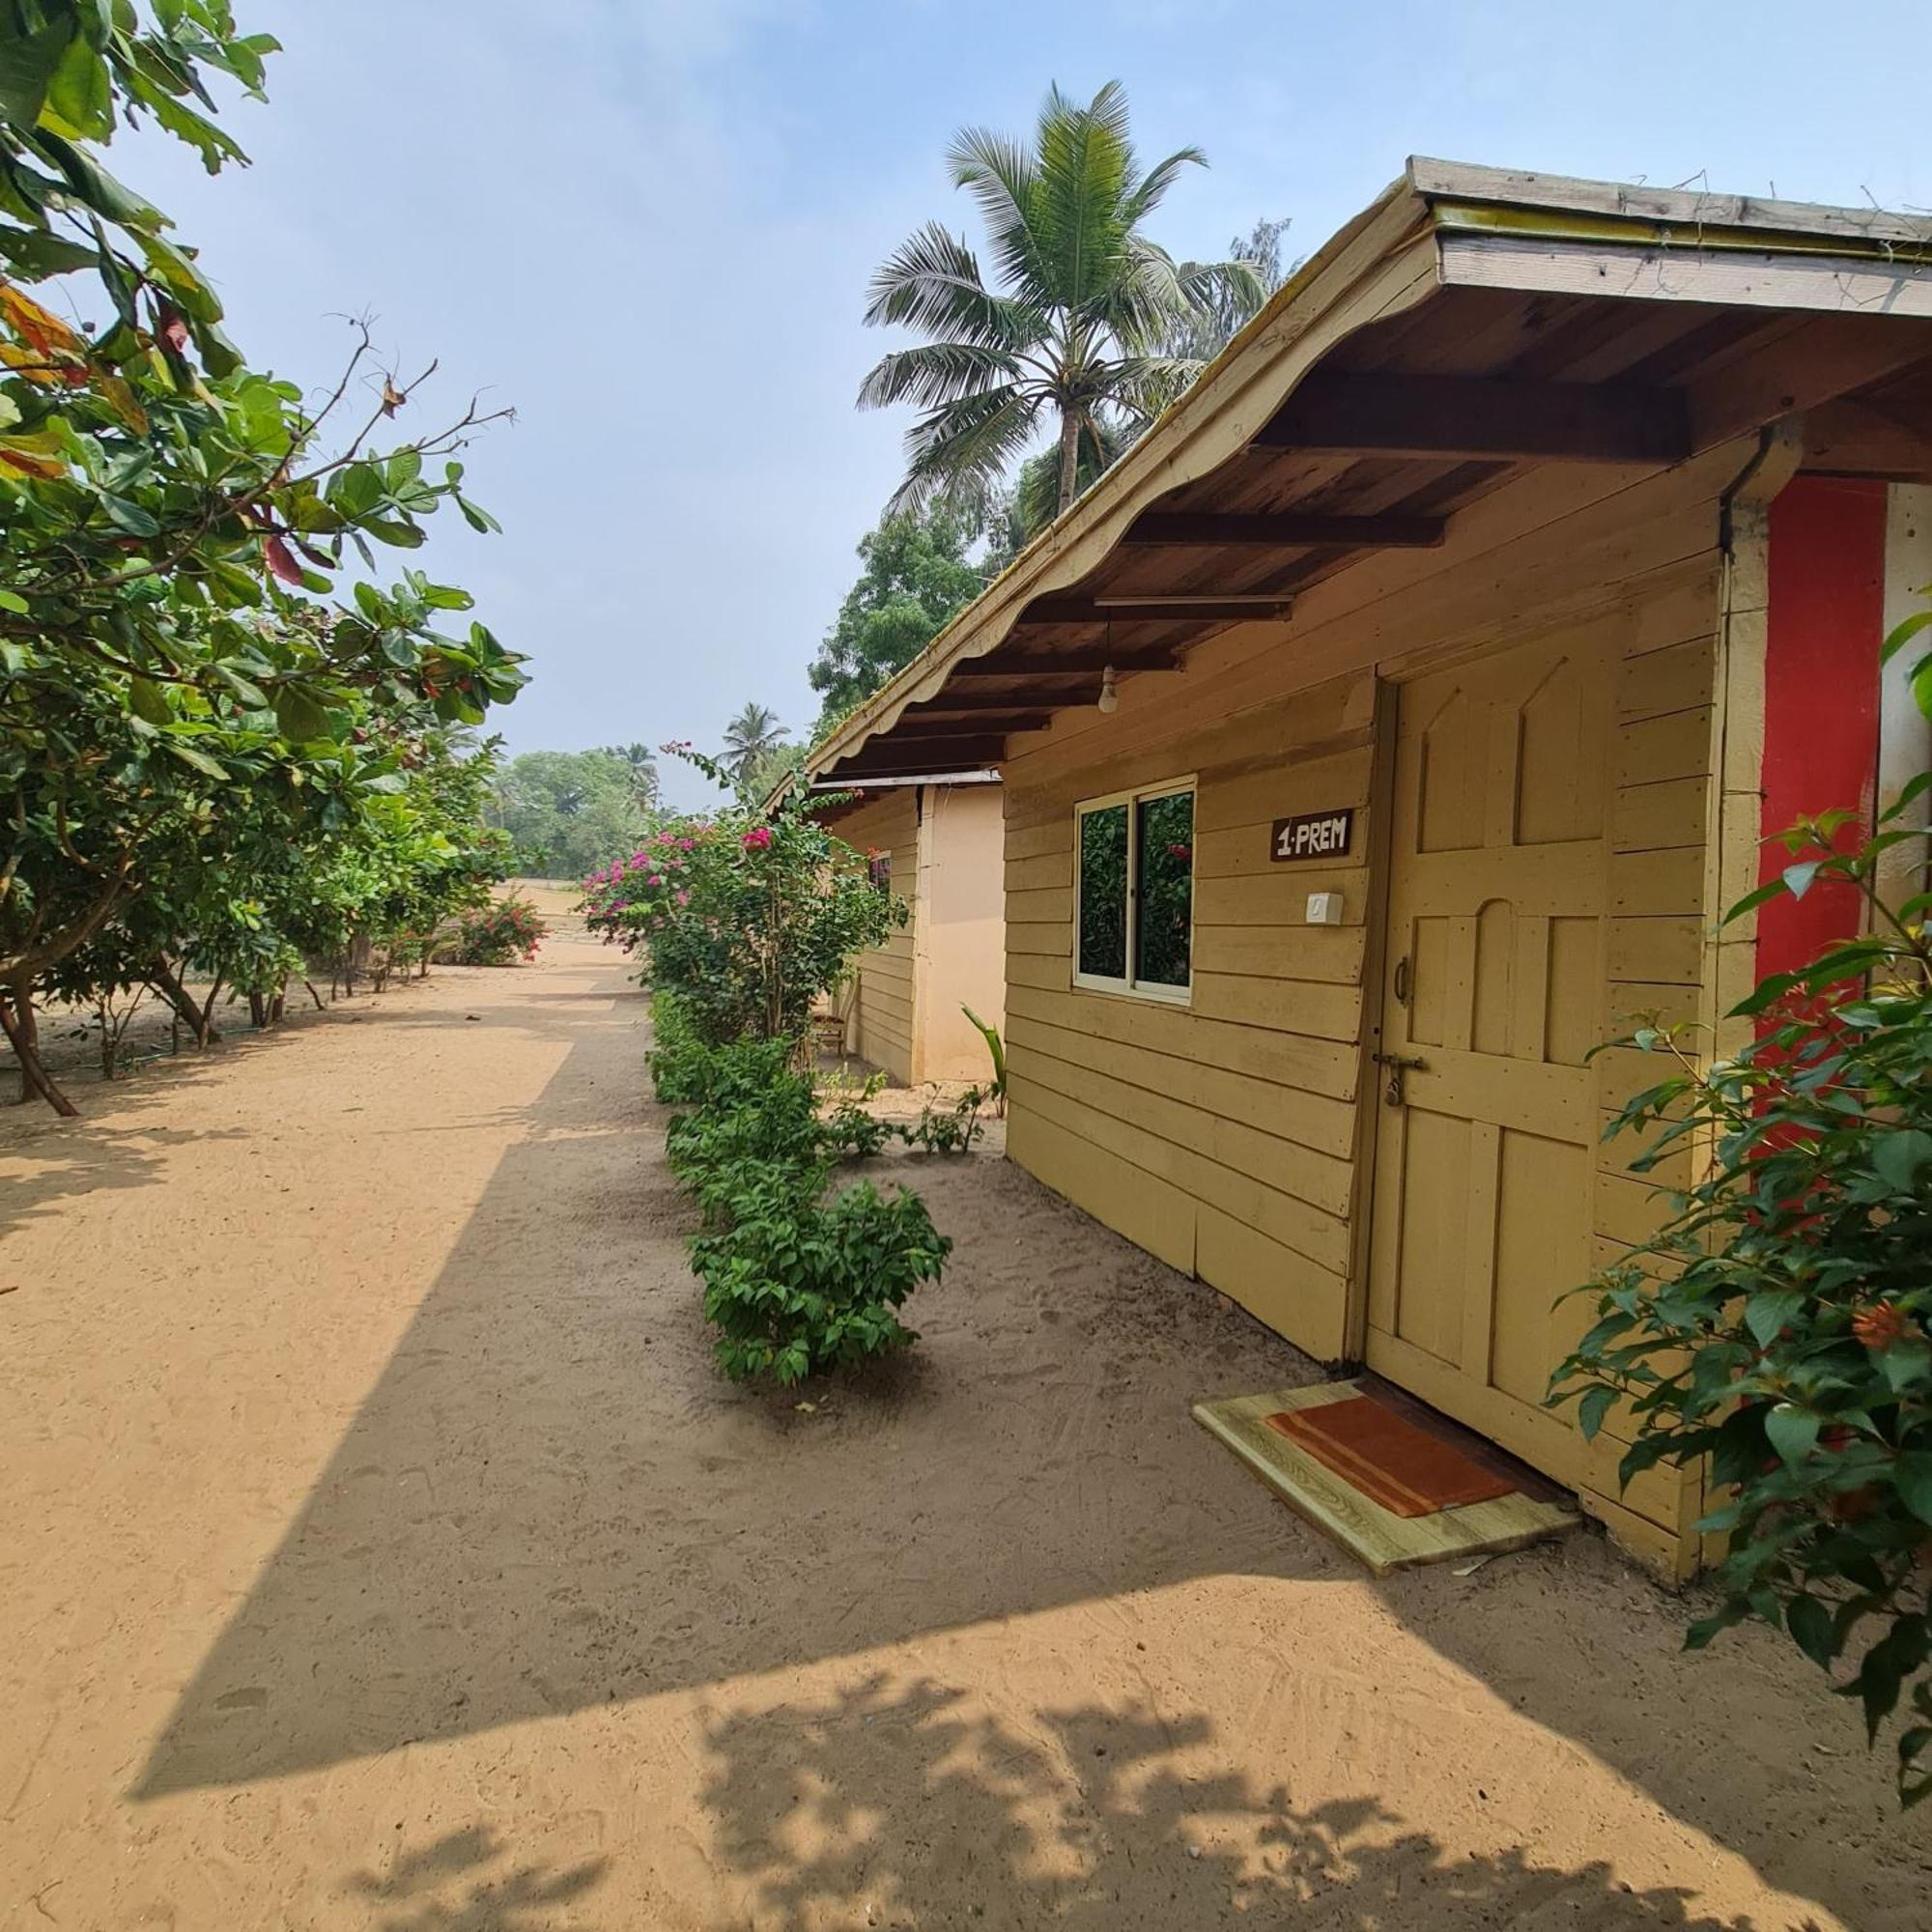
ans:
(1455, 189)
(1728, 274)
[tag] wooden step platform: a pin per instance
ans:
(1382, 1539)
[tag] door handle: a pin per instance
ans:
(1402, 981)
(1398, 1064)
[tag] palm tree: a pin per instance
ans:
(641, 763)
(750, 740)
(1074, 334)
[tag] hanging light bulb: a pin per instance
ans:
(1110, 697)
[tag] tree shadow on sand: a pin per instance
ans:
(909, 1804)
(460, 1883)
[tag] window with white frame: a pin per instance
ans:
(1133, 926)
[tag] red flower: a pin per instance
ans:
(758, 838)
(1879, 1326)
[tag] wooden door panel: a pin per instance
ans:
(1486, 1172)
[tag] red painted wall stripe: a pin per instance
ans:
(1821, 700)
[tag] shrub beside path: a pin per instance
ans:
(380, 1546)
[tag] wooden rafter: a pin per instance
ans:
(1070, 660)
(1477, 418)
(1134, 608)
(1280, 530)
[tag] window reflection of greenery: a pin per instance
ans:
(1165, 858)
(1103, 892)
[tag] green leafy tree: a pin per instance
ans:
(750, 740)
(570, 813)
(915, 574)
(171, 522)
(1071, 335)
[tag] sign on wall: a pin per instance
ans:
(1314, 835)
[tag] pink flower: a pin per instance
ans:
(684, 898)
(758, 838)
(687, 844)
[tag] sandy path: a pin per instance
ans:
(378, 1548)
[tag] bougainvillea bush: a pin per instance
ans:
(1781, 1323)
(499, 933)
(745, 917)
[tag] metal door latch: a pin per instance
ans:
(1398, 1064)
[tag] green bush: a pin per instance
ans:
(1782, 1322)
(795, 1291)
(794, 1283)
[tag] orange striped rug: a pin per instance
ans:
(1405, 1470)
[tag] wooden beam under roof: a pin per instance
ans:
(1481, 417)
(1128, 609)
(1280, 530)
(1070, 660)
(950, 700)
(907, 748)
(1856, 438)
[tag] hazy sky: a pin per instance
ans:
(648, 224)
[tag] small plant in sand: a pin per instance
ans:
(948, 1130)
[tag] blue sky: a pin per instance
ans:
(648, 224)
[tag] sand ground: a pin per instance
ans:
(378, 1548)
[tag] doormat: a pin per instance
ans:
(1406, 1470)
(1392, 1492)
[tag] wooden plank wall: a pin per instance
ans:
(1218, 1135)
(1222, 1136)
(882, 1033)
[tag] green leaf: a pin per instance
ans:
(299, 717)
(190, 754)
(129, 517)
(1597, 1403)
(1911, 1477)
(1898, 1156)
(11, 600)
(1792, 1432)
(28, 62)
(1809, 1623)
(1771, 1311)
(80, 95)
(393, 530)
(1903, 633)
(147, 700)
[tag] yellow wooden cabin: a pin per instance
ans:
(1394, 722)
(936, 843)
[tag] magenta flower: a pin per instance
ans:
(758, 838)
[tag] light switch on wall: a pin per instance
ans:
(1324, 908)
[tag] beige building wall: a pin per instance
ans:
(960, 931)
(904, 1011)
(1234, 1136)
(880, 1023)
